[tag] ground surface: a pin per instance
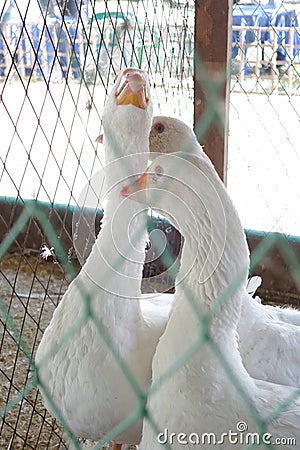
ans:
(24, 282)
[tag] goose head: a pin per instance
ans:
(169, 135)
(186, 188)
(127, 116)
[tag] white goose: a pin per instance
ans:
(169, 135)
(81, 374)
(200, 397)
(269, 339)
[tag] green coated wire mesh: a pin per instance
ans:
(264, 114)
(57, 63)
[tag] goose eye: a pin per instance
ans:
(159, 127)
(159, 170)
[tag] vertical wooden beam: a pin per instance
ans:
(213, 52)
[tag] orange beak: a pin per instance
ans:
(138, 185)
(133, 88)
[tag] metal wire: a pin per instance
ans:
(55, 73)
(264, 112)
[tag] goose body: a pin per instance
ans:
(285, 314)
(200, 396)
(76, 368)
(269, 338)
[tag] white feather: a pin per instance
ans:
(267, 352)
(81, 375)
(200, 396)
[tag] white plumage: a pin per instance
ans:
(80, 373)
(201, 397)
(269, 339)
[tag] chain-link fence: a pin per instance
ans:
(58, 62)
(264, 116)
(266, 47)
(265, 104)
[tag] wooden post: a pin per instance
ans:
(213, 21)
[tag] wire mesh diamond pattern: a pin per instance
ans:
(58, 61)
